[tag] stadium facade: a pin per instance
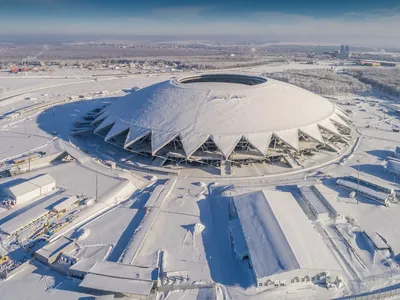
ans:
(208, 118)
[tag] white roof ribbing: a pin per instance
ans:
(226, 143)
(328, 125)
(260, 140)
(232, 109)
(160, 138)
(290, 137)
(335, 118)
(342, 114)
(192, 142)
(313, 132)
(117, 128)
(135, 133)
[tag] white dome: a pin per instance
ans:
(223, 108)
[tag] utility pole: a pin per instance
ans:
(358, 181)
(97, 182)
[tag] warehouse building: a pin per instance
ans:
(314, 202)
(33, 188)
(49, 253)
(283, 246)
(130, 280)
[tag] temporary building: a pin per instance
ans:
(30, 189)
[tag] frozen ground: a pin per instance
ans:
(192, 256)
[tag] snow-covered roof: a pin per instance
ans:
(311, 197)
(393, 166)
(21, 189)
(42, 180)
(117, 285)
(279, 236)
(55, 247)
(378, 195)
(30, 185)
(226, 111)
(113, 269)
(65, 203)
(239, 241)
(30, 213)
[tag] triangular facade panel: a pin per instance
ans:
(226, 143)
(135, 133)
(290, 137)
(101, 117)
(342, 114)
(339, 120)
(313, 132)
(107, 122)
(160, 138)
(117, 128)
(192, 142)
(329, 126)
(260, 141)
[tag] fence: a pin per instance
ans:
(375, 295)
(189, 286)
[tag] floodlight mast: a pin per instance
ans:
(358, 181)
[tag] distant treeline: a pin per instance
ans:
(322, 81)
(383, 79)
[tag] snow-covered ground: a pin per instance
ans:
(191, 227)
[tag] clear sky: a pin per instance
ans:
(363, 22)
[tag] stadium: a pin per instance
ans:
(215, 118)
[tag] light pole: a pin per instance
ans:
(358, 181)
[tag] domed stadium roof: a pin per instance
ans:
(224, 109)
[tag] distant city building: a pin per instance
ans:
(344, 52)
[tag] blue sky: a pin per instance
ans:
(357, 21)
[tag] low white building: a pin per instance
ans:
(49, 253)
(45, 182)
(393, 166)
(65, 205)
(283, 246)
(396, 153)
(315, 204)
(137, 282)
(22, 192)
(30, 189)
